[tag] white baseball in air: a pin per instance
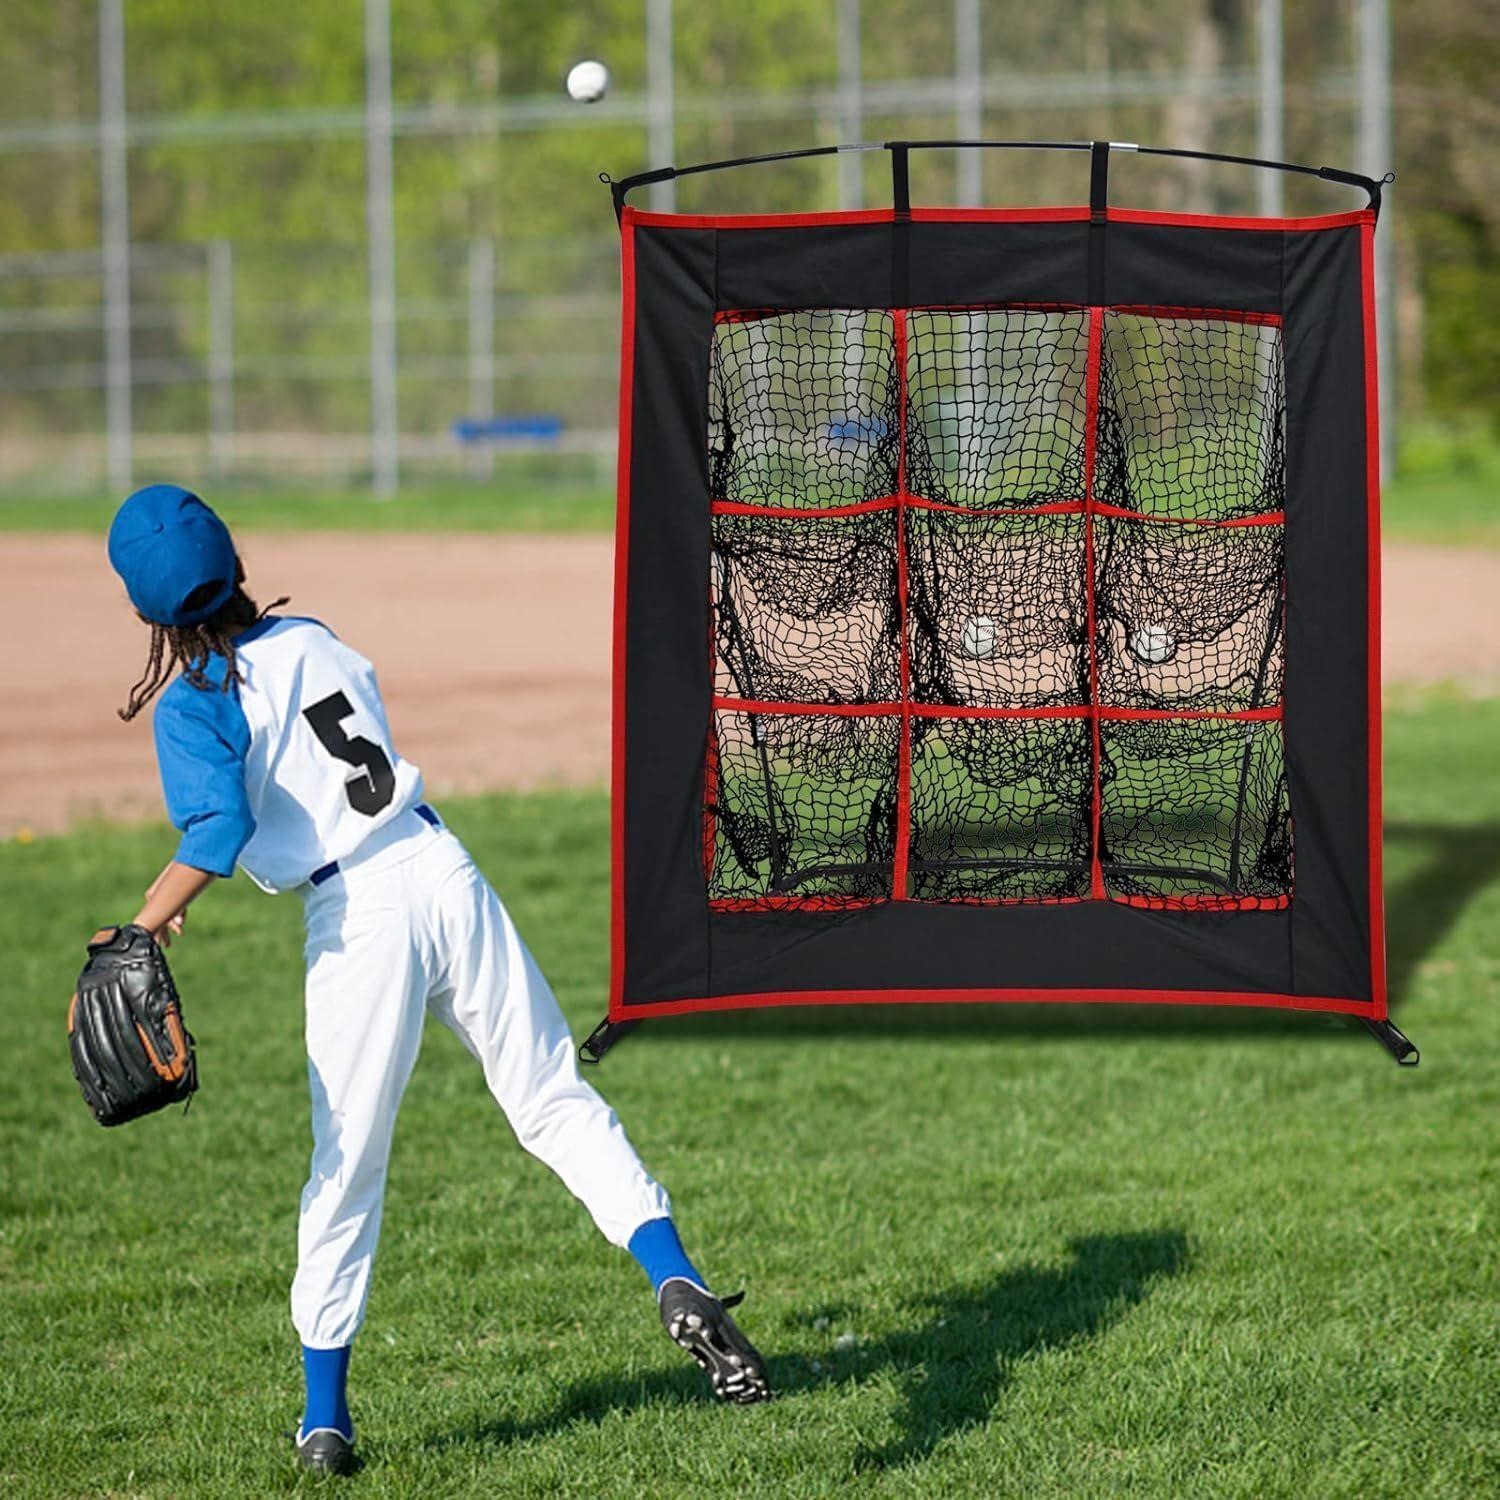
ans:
(979, 637)
(1153, 644)
(588, 82)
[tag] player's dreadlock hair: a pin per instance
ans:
(190, 646)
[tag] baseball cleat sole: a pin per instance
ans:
(700, 1323)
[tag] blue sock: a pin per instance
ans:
(326, 1372)
(656, 1246)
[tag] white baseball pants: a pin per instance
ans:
(405, 928)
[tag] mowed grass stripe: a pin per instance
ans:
(990, 1251)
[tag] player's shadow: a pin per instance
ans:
(1442, 868)
(1423, 905)
(952, 1369)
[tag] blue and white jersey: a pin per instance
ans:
(292, 768)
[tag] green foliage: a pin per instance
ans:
(991, 1251)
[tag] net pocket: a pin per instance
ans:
(1000, 809)
(996, 406)
(802, 409)
(997, 610)
(799, 808)
(1194, 812)
(805, 608)
(1192, 417)
(1188, 616)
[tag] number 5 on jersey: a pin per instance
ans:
(368, 793)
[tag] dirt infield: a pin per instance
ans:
(493, 654)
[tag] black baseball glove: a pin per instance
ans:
(131, 1052)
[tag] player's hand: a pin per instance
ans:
(173, 926)
(167, 899)
(169, 929)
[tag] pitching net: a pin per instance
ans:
(996, 611)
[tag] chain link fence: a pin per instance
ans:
(251, 362)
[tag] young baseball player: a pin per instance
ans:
(276, 756)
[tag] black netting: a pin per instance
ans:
(1194, 808)
(996, 403)
(802, 409)
(806, 609)
(801, 805)
(997, 609)
(1192, 417)
(1000, 809)
(805, 414)
(1188, 616)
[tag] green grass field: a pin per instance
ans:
(421, 507)
(1045, 1252)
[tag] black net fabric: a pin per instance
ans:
(1000, 809)
(803, 409)
(1188, 617)
(1194, 809)
(997, 610)
(1055, 631)
(805, 609)
(801, 807)
(1192, 417)
(996, 406)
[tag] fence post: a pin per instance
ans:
(482, 347)
(380, 229)
(220, 356)
(114, 177)
(1375, 160)
(851, 105)
(661, 127)
(968, 86)
(1269, 127)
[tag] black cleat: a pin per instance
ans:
(325, 1450)
(701, 1323)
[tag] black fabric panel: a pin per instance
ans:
(849, 265)
(998, 263)
(667, 687)
(1327, 584)
(675, 948)
(1172, 266)
(843, 265)
(910, 945)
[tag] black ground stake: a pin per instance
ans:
(1399, 1045)
(602, 1038)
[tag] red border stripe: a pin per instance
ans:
(622, 572)
(1269, 518)
(918, 502)
(903, 754)
(802, 512)
(1230, 221)
(888, 708)
(1196, 314)
(1372, 689)
(1054, 215)
(1090, 455)
(760, 1001)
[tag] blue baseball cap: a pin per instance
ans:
(166, 545)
